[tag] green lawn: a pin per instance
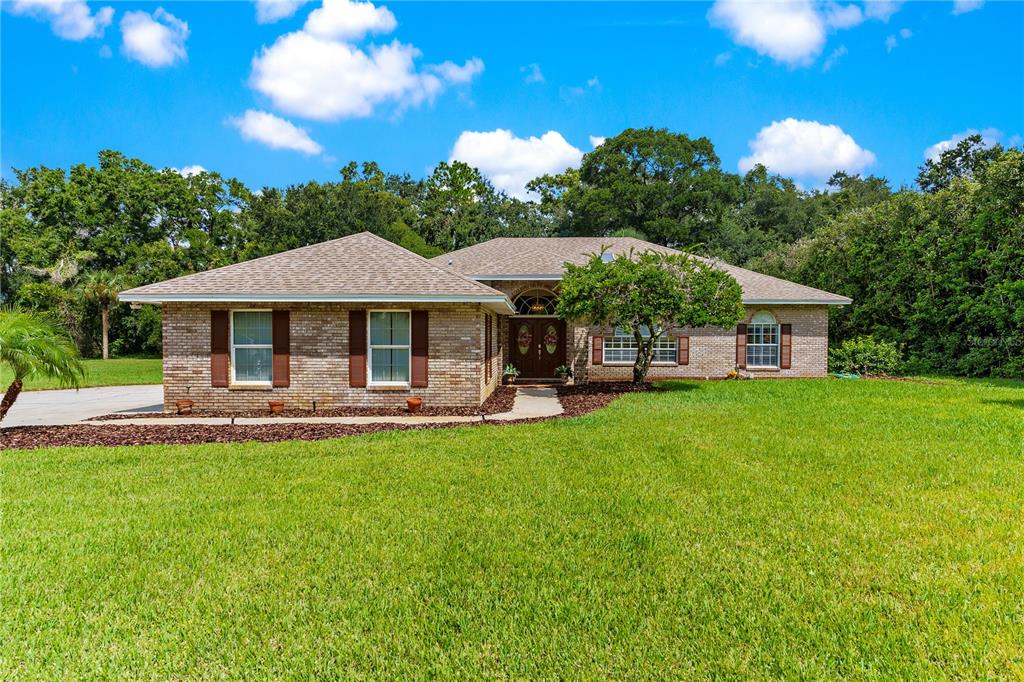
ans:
(113, 372)
(816, 529)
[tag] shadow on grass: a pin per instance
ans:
(1016, 402)
(676, 385)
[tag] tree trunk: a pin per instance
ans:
(644, 355)
(9, 397)
(105, 316)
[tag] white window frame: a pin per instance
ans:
(231, 340)
(777, 345)
(370, 346)
(621, 333)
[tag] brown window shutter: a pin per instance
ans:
(786, 347)
(597, 356)
(683, 350)
(357, 348)
(487, 347)
(420, 348)
(741, 346)
(281, 340)
(219, 349)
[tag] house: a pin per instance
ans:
(359, 321)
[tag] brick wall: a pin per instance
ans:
(319, 360)
(712, 349)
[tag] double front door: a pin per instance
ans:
(537, 346)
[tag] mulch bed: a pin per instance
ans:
(499, 401)
(576, 400)
(579, 400)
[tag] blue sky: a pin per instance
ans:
(516, 89)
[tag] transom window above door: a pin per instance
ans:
(535, 302)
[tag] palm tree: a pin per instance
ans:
(103, 286)
(31, 345)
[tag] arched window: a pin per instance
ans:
(763, 340)
(535, 302)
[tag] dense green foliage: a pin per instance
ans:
(646, 294)
(866, 355)
(940, 272)
(814, 529)
(33, 346)
(938, 269)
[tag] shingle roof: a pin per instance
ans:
(543, 257)
(357, 267)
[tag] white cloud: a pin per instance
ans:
(891, 42)
(329, 80)
(269, 11)
(510, 162)
(834, 57)
(570, 92)
(881, 9)
(189, 171)
(275, 132)
(156, 40)
(453, 73)
(989, 137)
(316, 74)
(843, 16)
(533, 73)
(596, 141)
(346, 20)
(69, 19)
(722, 58)
(965, 6)
(792, 32)
(806, 149)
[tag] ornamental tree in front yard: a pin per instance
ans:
(31, 345)
(646, 294)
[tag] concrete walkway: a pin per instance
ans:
(68, 406)
(530, 403)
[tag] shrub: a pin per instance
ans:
(866, 355)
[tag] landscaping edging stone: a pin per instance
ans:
(499, 401)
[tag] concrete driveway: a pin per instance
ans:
(35, 408)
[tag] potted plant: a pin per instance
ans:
(414, 403)
(183, 406)
(276, 406)
(510, 373)
(564, 372)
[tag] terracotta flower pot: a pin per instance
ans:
(414, 404)
(276, 406)
(183, 406)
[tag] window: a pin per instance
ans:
(763, 341)
(251, 346)
(621, 348)
(390, 349)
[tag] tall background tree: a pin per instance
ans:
(103, 286)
